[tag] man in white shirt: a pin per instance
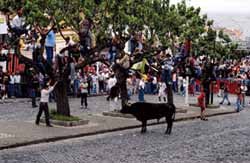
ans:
(133, 45)
(162, 91)
(44, 104)
(3, 25)
(127, 48)
(141, 90)
(154, 85)
(12, 85)
(101, 79)
(18, 23)
(111, 82)
(17, 78)
(95, 84)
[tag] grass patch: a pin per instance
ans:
(54, 115)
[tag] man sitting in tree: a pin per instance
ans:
(18, 23)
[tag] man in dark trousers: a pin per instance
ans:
(47, 89)
(34, 85)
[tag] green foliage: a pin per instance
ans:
(216, 44)
(54, 115)
(154, 18)
(12, 5)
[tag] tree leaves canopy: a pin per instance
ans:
(170, 23)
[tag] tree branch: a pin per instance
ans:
(90, 57)
(147, 54)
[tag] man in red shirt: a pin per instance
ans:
(201, 104)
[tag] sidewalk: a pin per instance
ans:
(27, 100)
(21, 133)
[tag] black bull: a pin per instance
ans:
(147, 111)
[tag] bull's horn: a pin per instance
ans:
(128, 104)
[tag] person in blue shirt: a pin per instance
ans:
(50, 44)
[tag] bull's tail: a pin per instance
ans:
(170, 119)
(173, 109)
(173, 116)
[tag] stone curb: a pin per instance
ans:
(58, 138)
(28, 100)
(208, 107)
(8, 101)
(66, 123)
(198, 116)
(118, 114)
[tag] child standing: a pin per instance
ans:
(84, 93)
(141, 90)
(225, 95)
(129, 87)
(162, 91)
(201, 103)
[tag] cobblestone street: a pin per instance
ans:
(221, 139)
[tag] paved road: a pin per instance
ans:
(221, 139)
(23, 111)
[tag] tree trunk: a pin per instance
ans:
(124, 93)
(121, 76)
(62, 102)
(212, 93)
(206, 86)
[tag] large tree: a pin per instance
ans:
(120, 19)
(42, 14)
